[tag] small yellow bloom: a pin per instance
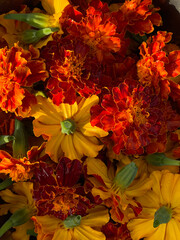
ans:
(73, 227)
(19, 198)
(160, 217)
(67, 128)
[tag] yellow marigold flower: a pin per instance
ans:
(67, 128)
(160, 216)
(73, 227)
(19, 198)
(117, 188)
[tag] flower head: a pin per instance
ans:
(67, 128)
(73, 227)
(19, 68)
(159, 218)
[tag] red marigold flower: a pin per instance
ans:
(97, 30)
(156, 68)
(137, 118)
(72, 70)
(60, 194)
(19, 68)
(137, 16)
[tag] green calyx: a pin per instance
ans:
(68, 126)
(162, 215)
(72, 221)
(33, 36)
(37, 20)
(125, 176)
(20, 140)
(20, 217)
(160, 159)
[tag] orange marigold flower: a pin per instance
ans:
(156, 67)
(97, 30)
(19, 169)
(19, 68)
(138, 119)
(138, 16)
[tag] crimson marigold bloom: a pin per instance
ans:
(19, 68)
(73, 227)
(138, 119)
(20, 197)
(156, 68)
(117, 189)
(60, 193)
(72, 68)
(159, 218)
(67, 128)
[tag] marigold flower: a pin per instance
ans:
(137, 16)
(60, 194)
(97, 30)
(138, 119)
(159, 218)
(19, 198)
(19, 68)
(73, 227)
(19, 169)
(72, 69)
(156, 68)
(67, 128)
(115, 192)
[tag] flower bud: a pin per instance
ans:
(33, 36)
(160, 159)
(37, 20)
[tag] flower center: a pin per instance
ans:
(72, 221)
(162, 215)
(68, 126)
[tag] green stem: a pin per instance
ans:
(6, 183)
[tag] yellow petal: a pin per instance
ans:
(84, 107)
(21, 231)
(40, 128)
(69, 149)
(54, 6)
(97, 217)
(159, 233)
(86, 232)
(97, 167)
(68, 110)
(91, 131)
(140, 228)
(53, 147)
(175, 197)
(47, 224)
(172, 230)
(89, 146)
(62, 234)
